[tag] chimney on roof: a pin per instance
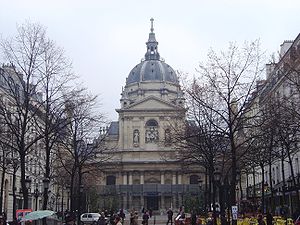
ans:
(284, 47)
(269, 69)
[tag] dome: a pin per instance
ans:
(152, 70)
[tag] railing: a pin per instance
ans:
(138, 189)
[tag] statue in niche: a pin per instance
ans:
(136, 138)
(151, 135)
(167, 137)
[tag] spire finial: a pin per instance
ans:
(152, 29)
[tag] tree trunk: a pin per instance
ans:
(205, 192)
(262, 188)
(23, 177)
(14, 194)
(271, 187)
(254, 188)
(283, 178)
(293, 179)
(2, 184)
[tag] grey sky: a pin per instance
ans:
(106, 39)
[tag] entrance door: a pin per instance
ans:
(152, 202)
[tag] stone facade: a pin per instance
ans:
(148, 172)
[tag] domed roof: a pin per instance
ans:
(152, 68)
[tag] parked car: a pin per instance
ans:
(89, 218)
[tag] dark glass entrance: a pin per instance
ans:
(152, 202)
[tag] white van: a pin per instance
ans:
(89, 218)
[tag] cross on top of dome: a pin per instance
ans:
(152, 29)
(152, 53)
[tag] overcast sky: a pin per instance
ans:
(106, 39)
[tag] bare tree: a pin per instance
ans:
(20, 87)
(230, 78)
(55, 74)
(82, 149)
(202, 143)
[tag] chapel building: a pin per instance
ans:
(147, 169)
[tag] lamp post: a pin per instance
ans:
(217, 177)
(68, 196)
(46, 182)
(36, 195)
(79, 203)
(56, 202)
(27, 185)
(200, 189)
(290, 188)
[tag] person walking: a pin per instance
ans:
(102, 219)
(170, 216)
(260, 220)
(136, 218)
(269, 218)
(118, 220)
(70, 219)
(145, 218)
(193, 217)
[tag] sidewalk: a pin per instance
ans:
(154, 220)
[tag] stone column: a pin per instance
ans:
(125, 178)
(162, 177)
(130, 178)
(179, 178)
(142, 177)
(174, 178)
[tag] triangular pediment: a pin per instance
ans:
(152, 103)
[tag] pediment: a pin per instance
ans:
(152, 103)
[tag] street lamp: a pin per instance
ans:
(27, 182)
(68, 187)
(200, 189)
(56, 202)
(27, 185)
(217, 178)
(46, 182)
(79, 203)
(36, 195)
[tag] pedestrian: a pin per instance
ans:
(118, 220)
(223, 219)
(150, 212)
(170, 216)
(145, 218)
(193, 217)
(131, 217)
(136, 217)
(260, 220)
(102, 219)
(181, 215)
(112, 218)
(70, 219)
(269, 218)
(122, 215)
(2, 220)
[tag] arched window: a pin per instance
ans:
(111, 180)
(151, 123)
(194, 179)
(151, 134)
